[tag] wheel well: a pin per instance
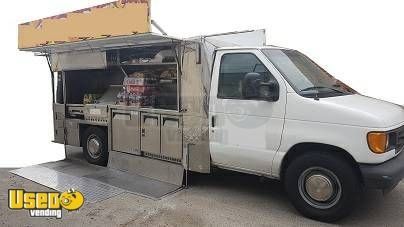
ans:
(84, 127)
(303, 148)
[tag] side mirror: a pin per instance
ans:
(254, 87)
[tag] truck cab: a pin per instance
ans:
(274, 112)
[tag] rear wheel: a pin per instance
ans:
(322, 186)
(95, 146)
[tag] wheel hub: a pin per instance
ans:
(319, 187)
(94, 147)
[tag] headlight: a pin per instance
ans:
(381, 142)
(378, 142)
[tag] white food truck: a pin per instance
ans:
(227, 101)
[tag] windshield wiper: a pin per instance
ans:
(321, 87)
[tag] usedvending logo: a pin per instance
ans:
(45, 204)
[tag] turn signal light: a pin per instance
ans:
(378, 142)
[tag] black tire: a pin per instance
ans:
(301, 183)
(95, 135)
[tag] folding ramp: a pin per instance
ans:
(123, 175)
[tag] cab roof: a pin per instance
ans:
(252, 47)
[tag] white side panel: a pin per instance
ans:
(245, 142)
(248, 38)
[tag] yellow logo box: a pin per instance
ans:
(123, 17)
(20, 199)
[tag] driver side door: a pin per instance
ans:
(245, 133)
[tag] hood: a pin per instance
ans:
(355, 110)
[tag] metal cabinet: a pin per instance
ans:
(150, 140)
(72, 133)
(126, 132)
(171, 137)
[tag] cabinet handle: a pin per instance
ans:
(213, 121)
(143, 132)
(151, 117)
(170, 119)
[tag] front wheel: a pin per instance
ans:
(95, 146)
(322, 186)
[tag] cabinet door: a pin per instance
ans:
(150, 140)
(72, 133)
(171, 137)
(59, 123)
(126, 132)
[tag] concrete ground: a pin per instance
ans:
(222, 199)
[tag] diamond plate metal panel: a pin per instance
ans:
(93, 190)
(135, 184)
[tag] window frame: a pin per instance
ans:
(294, 87)
(218, 96)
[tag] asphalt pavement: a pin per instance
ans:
(221, 199)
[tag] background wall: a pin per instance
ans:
(359, 42)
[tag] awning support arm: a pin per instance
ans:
(157, 26)
(52, 78)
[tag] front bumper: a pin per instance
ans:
(383, 176)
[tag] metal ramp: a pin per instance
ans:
(97, 183)
(93, 191)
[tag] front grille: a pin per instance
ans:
(399, 139)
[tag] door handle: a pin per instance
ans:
(213, 119)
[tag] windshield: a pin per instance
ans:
(305, 76)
